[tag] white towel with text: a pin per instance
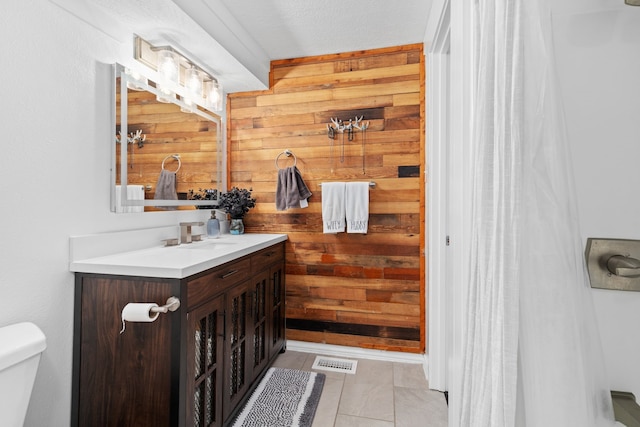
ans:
(333, 207)
(357, 207)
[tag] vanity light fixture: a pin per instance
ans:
(196, 86)
(632, 2)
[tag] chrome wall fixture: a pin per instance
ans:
(614, 264)
(197, 87)
(287, 153)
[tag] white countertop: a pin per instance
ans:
(177, 262)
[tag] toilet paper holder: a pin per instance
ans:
(173, 303)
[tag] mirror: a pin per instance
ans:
(164, 152)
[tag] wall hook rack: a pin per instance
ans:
(137, 137)
(340, 126)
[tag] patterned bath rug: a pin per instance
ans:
(284, 398)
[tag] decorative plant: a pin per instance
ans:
(203, 194)
(236, 202)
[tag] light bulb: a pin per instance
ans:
(169, 69)
(214, 95)
(193, 84)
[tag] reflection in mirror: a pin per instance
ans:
(164, 152)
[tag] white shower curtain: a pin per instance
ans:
(531, 330)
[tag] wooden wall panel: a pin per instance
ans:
(346, 289)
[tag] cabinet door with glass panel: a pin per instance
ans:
(205, 364)
(276, 308)
(238, 348)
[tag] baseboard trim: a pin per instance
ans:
(359, 353)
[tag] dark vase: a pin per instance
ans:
(236, 226)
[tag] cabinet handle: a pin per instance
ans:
(224, 325)
(231, 273)
(252, 303)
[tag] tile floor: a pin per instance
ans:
(380, 394)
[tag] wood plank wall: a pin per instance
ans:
(168, 131)
(346, 289)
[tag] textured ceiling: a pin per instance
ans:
(236, 39)
(297, 28)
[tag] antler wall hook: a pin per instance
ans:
(360, 125)
(331, 132)
(339, 126)
(349, 129)
(137, 137)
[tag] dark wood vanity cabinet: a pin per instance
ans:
(192, 367)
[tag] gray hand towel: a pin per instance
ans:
(290, 189)
(303, 190)
(166, 186)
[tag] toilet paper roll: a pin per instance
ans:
(138, 312)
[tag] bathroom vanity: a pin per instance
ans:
(191, 367)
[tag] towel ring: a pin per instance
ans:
(288, 153)
(174, 156)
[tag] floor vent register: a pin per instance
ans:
(336, 365)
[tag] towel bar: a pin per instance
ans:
(371, 184)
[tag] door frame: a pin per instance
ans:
(454, 19)
(437, 182)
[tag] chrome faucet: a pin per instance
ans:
(185, 231)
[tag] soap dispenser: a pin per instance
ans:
(213, 226)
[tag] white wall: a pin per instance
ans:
(598, 54)
(55, 98)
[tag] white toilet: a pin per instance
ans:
(20, 347)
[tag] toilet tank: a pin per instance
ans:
(20, 347)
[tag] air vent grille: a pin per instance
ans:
(336, 365)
